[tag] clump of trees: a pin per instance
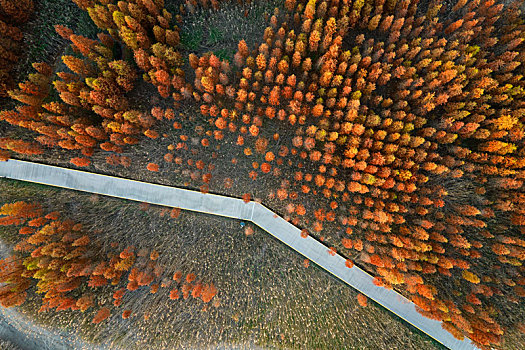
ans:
(57, 259)
(93, 110)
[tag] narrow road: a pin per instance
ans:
(236, 208)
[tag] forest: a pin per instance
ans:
(390, 130)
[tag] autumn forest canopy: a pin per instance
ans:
(391, 130)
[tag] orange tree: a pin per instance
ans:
(394, 123)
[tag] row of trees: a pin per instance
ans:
(58, 259)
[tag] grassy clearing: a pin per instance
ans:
(219, 31)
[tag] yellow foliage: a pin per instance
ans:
(469, 276)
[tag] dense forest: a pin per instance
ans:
(392, 130)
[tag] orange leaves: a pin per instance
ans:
(228, 183)
(306, 263)
(248, 230)
(197, 290)
(175, 213)
(376, 260)
(473, 299)
(208, 292)
(500, 249)
(240, 140)
(208, 84)
(26, 230)
(453, 26)
(4, 155)
(243, 48)
(274, 97)
(449, 327)
(177, 276)
(186, 289)
(254, 130)
(221, 123)
(385, 179)
(119, 293)
(144, 278)
(318, 226)
(319, 180)
(362, 300)
(347, 243)
(84, 302)
(101, 315)
(80, 162)
(282, 194)
(468, 210)
(97, 281)
(37, 222)
(153, 167)
(162, 77)
(154, 255)
(358, 245)
(127, 253)
(349, 263)
(59, 246)
(426, 291)
(304, 233)
(190, 277)
(152, 134)
(246, 198)
(174, 294)
(261, 144)
(82, 241)
(266, 168)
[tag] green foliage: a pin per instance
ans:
(191, 40)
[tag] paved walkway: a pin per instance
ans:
(236, 208)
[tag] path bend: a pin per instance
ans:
(236, 208)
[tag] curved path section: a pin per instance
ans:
(236, 208)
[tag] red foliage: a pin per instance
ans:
(174, 294)
(101, 315)
(153, 167)
(362, 300)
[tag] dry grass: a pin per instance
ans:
(267, 297)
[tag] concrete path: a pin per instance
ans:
(236, 208)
